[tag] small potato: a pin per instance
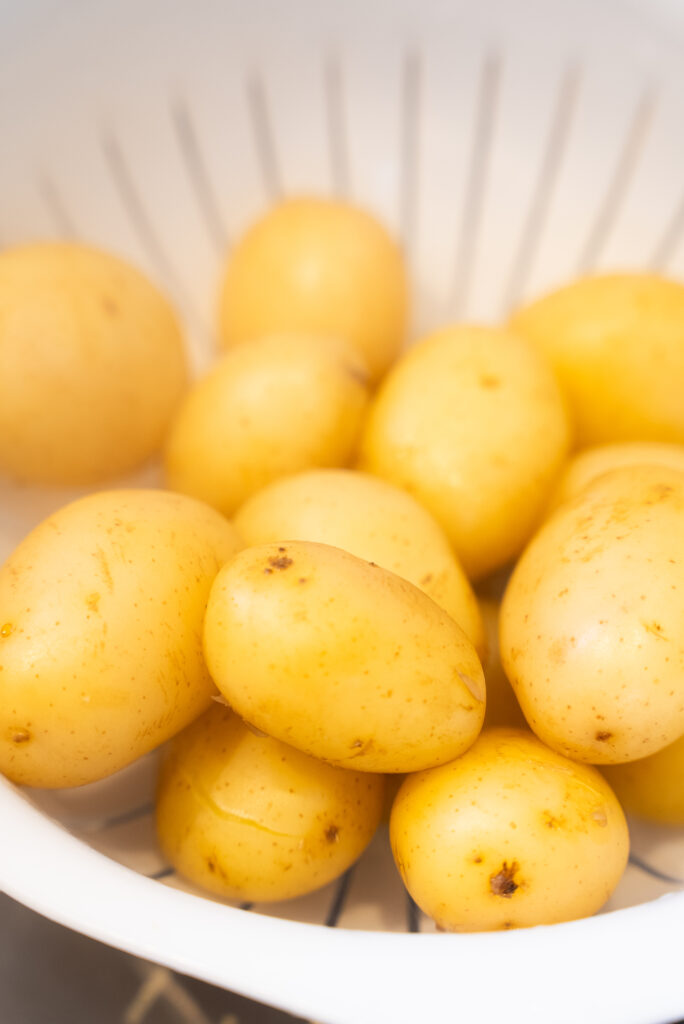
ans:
(616, 342)
(266, 410)
(342, 659)
(652, 788)
(373, 520)
(502, 704)
(592, 463)
(249, 818)
(101, 611)
(591, 622)
(318, 266)
(509, 835)
(471, 422)
(93, 365)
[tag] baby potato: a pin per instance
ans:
(373, 520)
(588, 465)
(471, 422)
(616, 342)
(93, 365)
(266, 410)
(101, 611)
(249, 818)
(318, 266)
(591, 621)
(508, 835)
(502, 704)
(653, 787)
(342, 659)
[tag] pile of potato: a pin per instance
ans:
(312, 604)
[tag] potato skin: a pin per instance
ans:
(471, 422)
(616, 342)
(101, 610)
(508, 835)
(652, 788)
(373, 520)
(248, 817)
(323, 267)
(281, 404)
(93, 365)
(590, 464)
(342, 659)
(591, 621)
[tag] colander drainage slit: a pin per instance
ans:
(56, 207)
(669, 239)
(247, 905)
(412, 915)
(166, 872)
(625, 166)
(474, 194)
(264, 141)
(198, 174)
(410, 148)
(339, 899)
(139, 219)
(333, 88)
(643, 865)
(551, 163)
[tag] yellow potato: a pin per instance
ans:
(588, 465)
(591, 622)
(509, 835)
(318, 266)
(92, 361)
(101, 611)
(471, 422)
(617, 344)
(373, 520)
(342, 659)
(502, 704)
(653, 787)
(250, 818)
(266, 410)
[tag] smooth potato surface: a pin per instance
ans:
(342, 659)
(373, 520)
(591, 622)
(509, 835)
(251, 818)
(93, 365)
(101, 611)
(652, 788)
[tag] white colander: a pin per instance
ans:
(511, 145)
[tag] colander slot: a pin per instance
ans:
(333, 88)
(198, 174)
(56, 207)
(340, 898)
(412, 915)
(410, 149)
(653, 871)
(551, 163)
(476, 184)
(264, 139)
(626, 164)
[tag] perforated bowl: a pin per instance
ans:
(511, 145)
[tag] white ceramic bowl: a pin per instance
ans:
(511, 145)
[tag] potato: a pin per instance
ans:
(616, 342)
(318, 266)
(653, 787)
(471, 422)
(92, 365)
(101, 610)
(266, 410)
(591, 621)
(342, 659)
(509, 835)
(502, 704)
(590, 464)
(373, 520)
(250, 818)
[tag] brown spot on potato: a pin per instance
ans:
(602, 735)
(332, 834)
(477, 859)
(655, 629)
(302, 579)
(21, 736)
(93, 602)
(279, 562)
(503, 882)
(427, 578)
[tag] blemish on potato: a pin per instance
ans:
(600, 817)
(655, 629)
(602, 735)
(93, 602)
(279, 561)
(473, 685)
(21, 736)
(503, 882)
(332, 834)
(7, 629)
(489, 382)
